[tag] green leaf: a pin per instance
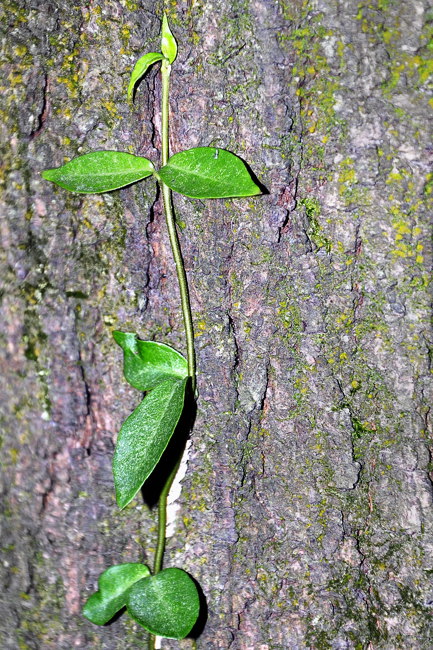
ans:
(100, 171)
(144, 437)
(147, 363)
(208, 173)
(112, 594)
(168, 42)
(166, 604)
(141, 67)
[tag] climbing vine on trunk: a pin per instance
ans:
(165, 602)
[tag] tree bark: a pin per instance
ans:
(306, 510)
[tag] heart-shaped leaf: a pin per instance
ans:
(141, 68)
(148, 363)
(100, 171)
(168, 42)
(208, 173)
(166, 604)
(144, 437)
(113, 585)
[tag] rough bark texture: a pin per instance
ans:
(306, 512)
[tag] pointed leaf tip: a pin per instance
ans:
(126, 340)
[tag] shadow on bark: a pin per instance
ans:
(202, 617)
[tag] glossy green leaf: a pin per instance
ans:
(141, 68)
(144, 437)
(166, 604)
(168, 42)
(208, 173)
(147, 363)
(100, 171)
(112, 594)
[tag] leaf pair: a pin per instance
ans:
(200, 173)
(166, 604)
(144, 436)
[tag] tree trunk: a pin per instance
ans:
(306, 510)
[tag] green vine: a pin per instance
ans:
(166, 602)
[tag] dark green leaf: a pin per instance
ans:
(100, 171)
(141, 67)
(166, 604)
(208, 173)
(168, 42)
(147, 363)
(144, 437)
(113, 587)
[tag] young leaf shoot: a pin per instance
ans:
(168, 42)
(140, 69)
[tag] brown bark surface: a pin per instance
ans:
(306, 511)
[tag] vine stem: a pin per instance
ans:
(172, 232)
(186, 309)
